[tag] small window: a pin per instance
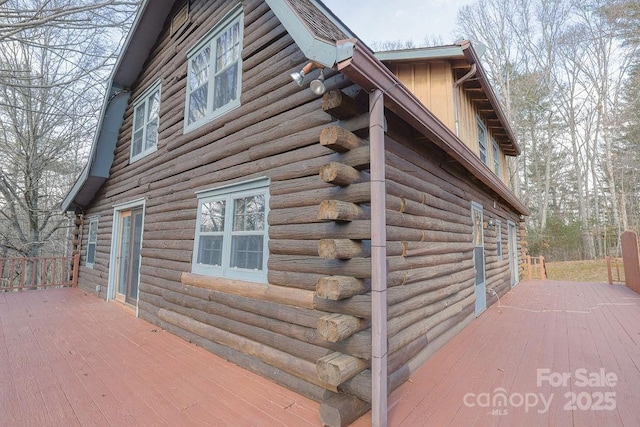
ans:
(499, 239)
(231, 232)
(482, 142)
(91, 242)
(496, 158)
(146, 118)
(214, 75)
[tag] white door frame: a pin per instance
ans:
(113, 267)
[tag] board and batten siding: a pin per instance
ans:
(433, 84)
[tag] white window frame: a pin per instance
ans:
(93, 221)
(483, 143)
(499, 239)
(209, 40)
(143, 100)
(496, 158)
(228, 194)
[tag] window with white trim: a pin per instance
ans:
(231, 232)
(92, 241)
(146, 118)
(499, 239)
(214, 75)
(482, 142)
(496, 158)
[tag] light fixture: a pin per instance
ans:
(317, 85)
(299, 76)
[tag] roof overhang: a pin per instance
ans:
(143, 35)
(364, 69)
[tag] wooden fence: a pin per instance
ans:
(614, 267)
(536, 268)
(18, 274)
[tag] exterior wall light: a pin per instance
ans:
(299, 76)
(317, 85)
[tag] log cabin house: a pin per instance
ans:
(331, 237)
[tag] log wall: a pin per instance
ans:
(271, 329)
(309, 327)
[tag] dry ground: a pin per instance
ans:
(582, 271)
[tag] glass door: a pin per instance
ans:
(128, 255)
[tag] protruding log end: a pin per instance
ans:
(340, 287)
(337, 327)
(341, 410)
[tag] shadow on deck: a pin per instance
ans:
(68, 358)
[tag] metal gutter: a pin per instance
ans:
(364, 69)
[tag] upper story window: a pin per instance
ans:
(482, 142)
(146, 118)
(231, 232)
(496, 158)
(92, 241)
(214, 75)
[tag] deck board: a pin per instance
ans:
(68, 358)
(559, 326)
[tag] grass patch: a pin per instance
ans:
(582, 271)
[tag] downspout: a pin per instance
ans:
(379, 384)
(456, 96)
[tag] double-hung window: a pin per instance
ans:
(92, 240)
(146, 118)
(496, 158)
(214, 75)
(482, 142)
(231, 232)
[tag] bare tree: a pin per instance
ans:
(54, 60)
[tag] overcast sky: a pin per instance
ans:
(384, 20)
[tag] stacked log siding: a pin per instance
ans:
(309, 326)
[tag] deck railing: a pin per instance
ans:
(38, 273)
(536, 268)
(614, 265)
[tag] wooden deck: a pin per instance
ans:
(557, 327)
(68, 358)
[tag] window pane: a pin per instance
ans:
(228, 47)
(212, 217)
(137, 142)
(225, 86)
(152, 135)
(198, 104)
(93, 231)
(91, 253)
(199, 72)
(246, 252)
(210, 251)
(139, 120)
(249, 213)
(154, 105)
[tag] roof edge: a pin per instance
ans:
(369, 73)
(473, 58)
